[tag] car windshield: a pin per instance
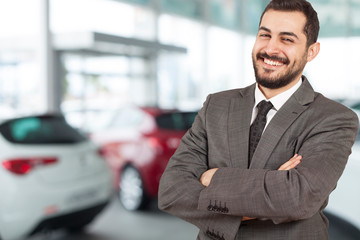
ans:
(40, 130)
(176, 121)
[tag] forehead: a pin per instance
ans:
(284, 21)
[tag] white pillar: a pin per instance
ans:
(46, 58)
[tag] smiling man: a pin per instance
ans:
(282, 49)
(260, 162)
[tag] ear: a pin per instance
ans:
(313, 51)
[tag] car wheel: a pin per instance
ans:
(76, 229)
(341, 229)
(132, 194)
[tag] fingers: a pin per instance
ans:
(247, 218)
(292, 163)
(206, 177)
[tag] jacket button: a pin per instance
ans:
(210, 207)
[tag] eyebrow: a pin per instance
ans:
(281, 33)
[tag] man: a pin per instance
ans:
(231, 186)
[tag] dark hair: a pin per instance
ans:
(312, 25)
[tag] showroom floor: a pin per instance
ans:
(115, 223)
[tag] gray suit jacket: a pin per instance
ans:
(287, 204)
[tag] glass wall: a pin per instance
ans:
(105, 16)
(251, 16)
(189, 8)
(218, 36)
(181, 80)
(93, 83)
(333, 72)
(21, 88)
(224, 59)
(225, 13)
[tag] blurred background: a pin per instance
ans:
(144, 67)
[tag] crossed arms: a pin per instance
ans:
(206, 177)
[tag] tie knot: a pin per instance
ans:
(264, 107)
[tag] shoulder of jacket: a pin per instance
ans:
(331, 106)
(233, 93)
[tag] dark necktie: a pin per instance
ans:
(258, 126)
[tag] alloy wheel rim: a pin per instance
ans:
(131, 189)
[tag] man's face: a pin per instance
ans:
(280, 52)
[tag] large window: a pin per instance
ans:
(225, 13)
(22, 90)
(104, 16)
(182, 78)
(140, 2)
(93, 82)
(338, 18)
(224, 59)
(251, 15)
(355, 18)
(189, 8)
(217, 34)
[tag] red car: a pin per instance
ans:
(138, 143)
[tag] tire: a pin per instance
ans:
(132, 194)
(77, 229)
(340, 228)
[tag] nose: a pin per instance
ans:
(272, 47)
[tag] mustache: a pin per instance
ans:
(274, 58)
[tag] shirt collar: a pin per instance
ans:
(279, 100)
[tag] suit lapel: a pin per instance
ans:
(239, 120)
(282, 120)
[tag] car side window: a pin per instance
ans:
(176, 121)
(40, 130)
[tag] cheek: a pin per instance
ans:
(253, 52)
(295, 54)
(253, 55)
(256, 48)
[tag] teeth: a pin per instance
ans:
(272, 63)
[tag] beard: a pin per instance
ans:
(281, 80)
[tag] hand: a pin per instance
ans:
(293, 162)
(247, 218)
(206, 177)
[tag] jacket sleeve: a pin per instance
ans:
(299, 193)
(180, 188)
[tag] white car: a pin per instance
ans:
(51, 177)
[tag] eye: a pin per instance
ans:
(288, 40)
(264, 35)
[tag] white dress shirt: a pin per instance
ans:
(278, 101)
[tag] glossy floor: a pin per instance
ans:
(115, 223)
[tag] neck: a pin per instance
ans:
(270, 93)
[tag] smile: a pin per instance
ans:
(273, 63)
